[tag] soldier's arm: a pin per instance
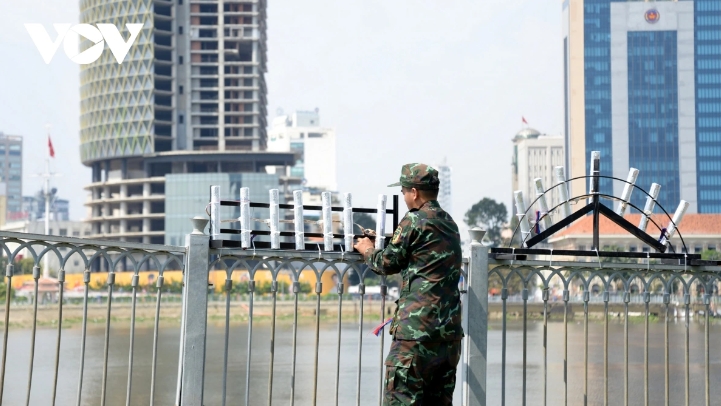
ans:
(394, 258)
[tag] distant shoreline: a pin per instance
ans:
(170, 312)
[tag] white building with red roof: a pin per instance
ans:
(699, 232)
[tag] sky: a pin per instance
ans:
(400, 81)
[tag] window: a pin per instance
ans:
(63, 232)
(632, 248)
(76, 233)
(181, 119)
(180, 89)
(180, 60)
(208, 120)
(180, 29)
(208, 132)
(582, 248)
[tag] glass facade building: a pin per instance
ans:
(707, 20)
(653, 113)
(597, 68)
(186, 196)
(643, 87)
(11, 173)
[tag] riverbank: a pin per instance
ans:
(21, 316)
(170, 312)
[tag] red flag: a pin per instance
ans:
(524, 120)
(50, 147)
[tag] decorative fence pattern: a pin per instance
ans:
(597, 282)
(586, 284)
(113, 254)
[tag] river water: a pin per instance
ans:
(19, 345)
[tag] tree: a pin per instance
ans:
(617, 260)
(516, 239)
(711, 255)
(364, 220)
(25, 266)
(488, 214)
(22, 266)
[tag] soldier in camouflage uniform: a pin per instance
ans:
(426, 328)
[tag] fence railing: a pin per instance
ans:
(328, 356)
(623, 364)
(130, 256)
(289, 345)
(325, 356)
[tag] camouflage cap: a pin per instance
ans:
(419, 176)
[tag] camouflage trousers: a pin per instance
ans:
(421, 373)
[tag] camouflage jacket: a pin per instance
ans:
(426, 251)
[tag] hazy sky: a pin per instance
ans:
(401, 81)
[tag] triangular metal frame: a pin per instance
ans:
(597, 209)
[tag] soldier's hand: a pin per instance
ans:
(363, 244)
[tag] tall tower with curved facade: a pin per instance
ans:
(189, 100)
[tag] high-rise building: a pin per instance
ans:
(314, 148)
(534, 156)
(34, 207)
(643, 87)
(445, 197)
(11, 173)
(190, 98)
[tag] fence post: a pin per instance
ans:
(195, 313)
(475, 312)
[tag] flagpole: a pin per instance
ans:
(46, 270)
(47, 193)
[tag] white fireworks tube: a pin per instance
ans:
(595, 171)
(650, 204)
(214, 212)
(327, 222)
(381, 222)
(298, 220)
(348, 221)
(521, 213)
(627, 190)
(677, 217)
(538, 182)
(245, 217)
(274, 220)
(562, 190)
